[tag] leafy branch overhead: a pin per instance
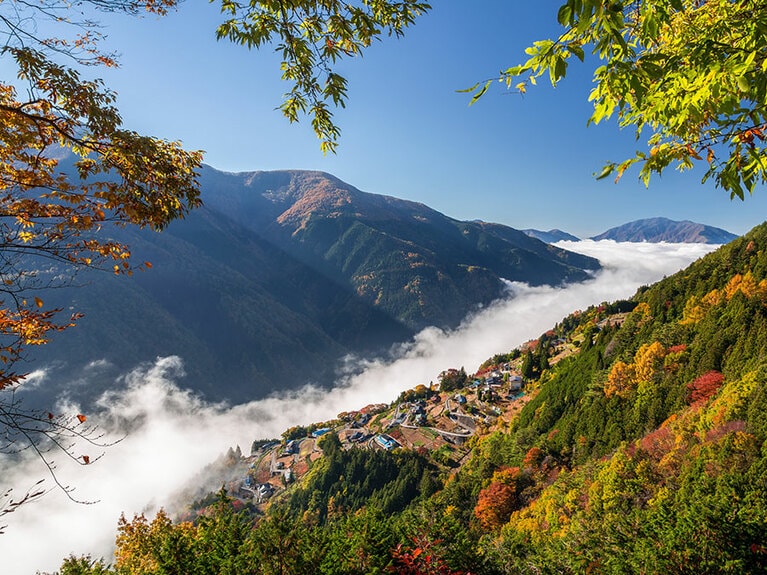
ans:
(690, 75)
(46, 214)
(312, 37)
(68, 168)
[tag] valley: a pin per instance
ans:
(629, 408)
(380, 364)
(278, 277)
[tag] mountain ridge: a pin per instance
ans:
(666, 230)
(551, 236)
(281, 265)
(652, 230)
(348, 234)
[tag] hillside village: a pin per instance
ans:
(436, 420)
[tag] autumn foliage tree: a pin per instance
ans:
(422, 558)
(705, 387)
(621, 380)
(625, 377)
(501, 497)
(68, 168)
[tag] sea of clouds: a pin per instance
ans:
(169, 435)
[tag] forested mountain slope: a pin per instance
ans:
(246, 318)
(410, 261)
(640, 448)
(278, 276)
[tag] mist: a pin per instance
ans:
(167, 435)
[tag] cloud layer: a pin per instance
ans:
(173, 434)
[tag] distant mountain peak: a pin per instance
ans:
(322, 197)
(551, 236)
(661, 229)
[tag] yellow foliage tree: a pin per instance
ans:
(745, 284)
(642, 310)
(693, 311)
(621, 380)
(712, 298)
(648, 361)
(145, 548)
(625, 377)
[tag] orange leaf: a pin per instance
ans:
(81, 418)
(38, 302)
(86, 459)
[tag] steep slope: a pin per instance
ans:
(246, 318)
(645, 451)
(410, 261)
(638, 445)
(665, 230)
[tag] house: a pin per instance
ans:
(494, 378)
(386, 441)
(290, 448)
(356, 436)
(264, 491)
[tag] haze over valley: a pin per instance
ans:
(174, 434)
(281, 274)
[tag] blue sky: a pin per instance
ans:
(522, 161)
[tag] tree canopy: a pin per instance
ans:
(687, 75)
(312, 36)
(68, 167)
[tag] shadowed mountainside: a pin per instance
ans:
(281, 274)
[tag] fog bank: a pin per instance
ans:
(173, 434)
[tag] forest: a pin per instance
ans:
(644, 452)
